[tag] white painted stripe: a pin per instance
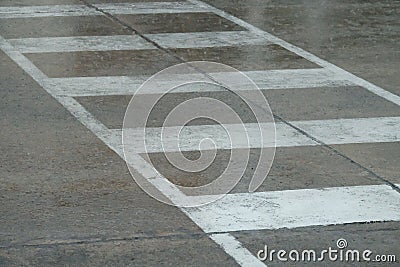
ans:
(135, 42)
(190, 137)
(345, 131)
(81, 43)
(297, 50)
(124, 85)
(235, 249)
(150, 8)
(336, 131)
(206, 39)
(298, 208)
(82, 10)
(47, 11)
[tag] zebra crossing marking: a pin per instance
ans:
(128, 85)
(304, 54)
(233, 248)
(298, 208)
(47, 11)
(115, 9)
(80, 43)
(330, 132)
(135, 42)
(151, 8)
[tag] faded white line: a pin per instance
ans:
(207, 39)
(82, 10)
(190, 136)
(343, 73)
(135, 42)
(151, 8)
(47, 11)
(298, 208)
(346, 131)
(125, 85)
(81, 43)
(335, 131)
(235, 249)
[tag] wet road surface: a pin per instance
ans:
(69, 69)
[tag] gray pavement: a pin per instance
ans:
(67, 196)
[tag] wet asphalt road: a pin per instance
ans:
(67, 198)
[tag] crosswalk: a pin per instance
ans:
(235, 212)
(330, 132)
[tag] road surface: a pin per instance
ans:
(329, 70)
